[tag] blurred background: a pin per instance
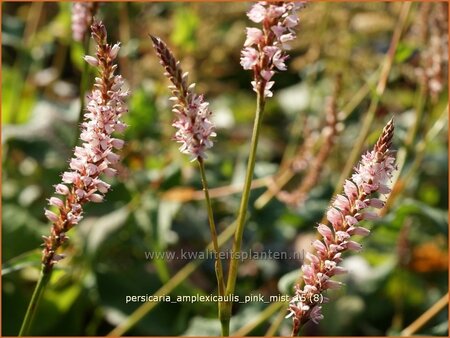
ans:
(353, 66)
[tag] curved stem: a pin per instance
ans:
(34, 302)
(212, 226)
(240, 222)
(425, 317)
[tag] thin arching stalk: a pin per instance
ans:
(212, 226)
(27, 323)
(240, 222)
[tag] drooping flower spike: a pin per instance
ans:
(345, 214)
(264, 49)
(96, 156)
(195, 128)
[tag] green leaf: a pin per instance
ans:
(97, 230)
(410, 207)
(30, 258)
(16, 110)
(167, 210)
(404, 52)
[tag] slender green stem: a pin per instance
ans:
(240, 222)
(212, 226)
(425, 317)
(34, 302)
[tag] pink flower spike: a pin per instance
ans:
(319, 246)
(352, 245)
(61, 189)
(194, 127)
(267, 43)
(52, 217)
(117, 143)
(384, 189)
(342, 236)
(104, 109)
(342, 203)
(254, 35)
(96, 198)
(82, 14)
(331, 284)
(350, 189)
(102, 186)
(257, 13)
(316, 314)
(369, 215)
(287, 37)
(249, 58)
(267, 92)
(56, 202)
(278, 30)
(278, 61)
(270, 51)
(339, 270)
(70, 177)
(267, 74)
(334, 216)
(360, 231)
(91, 60)
(351, 220)
(80, 193)
(312, 258)
(370, 177)
(114, 51)
(110, 172)
(291, 21)
(325, 231)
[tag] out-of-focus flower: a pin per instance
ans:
(96, 156)
(345, 214)
(82, 16)
(195, 128)
(264, 48)
(433, 68)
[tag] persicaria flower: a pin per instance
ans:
(194, 127)
(345, 214)
(82, 15)
(264, 48)
(82, 182)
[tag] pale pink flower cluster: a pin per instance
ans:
(195, 128)
(264, 48)
(95, 156)
(433, 67)
(345, 214)
(82, 14)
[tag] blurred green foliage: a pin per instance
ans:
(155, 205)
